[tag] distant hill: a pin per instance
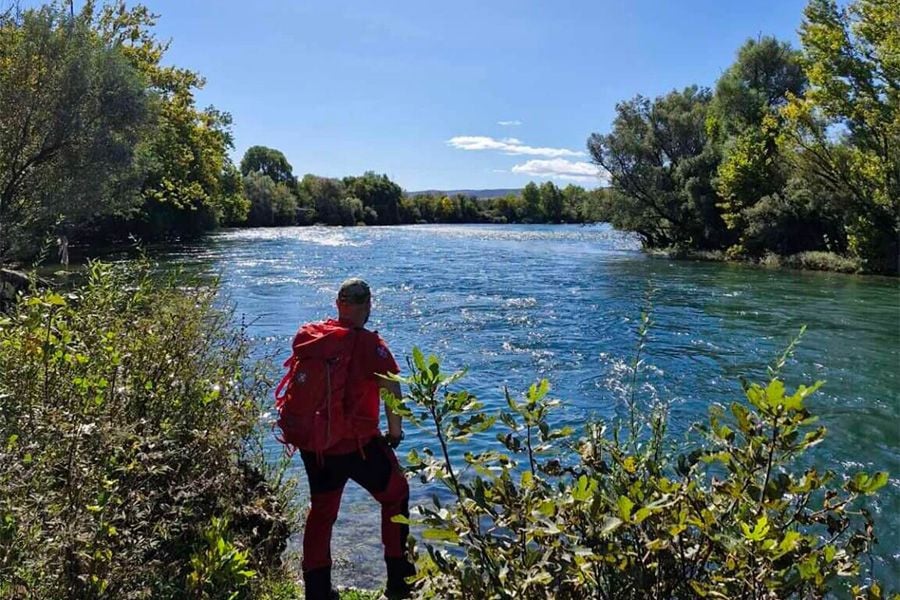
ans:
(477, 193)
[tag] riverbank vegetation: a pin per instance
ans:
(277, 197)
(624, 510)
(130, 462)
(103, 140)
(100, 135)
(792, 151)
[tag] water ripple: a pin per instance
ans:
(516, 303)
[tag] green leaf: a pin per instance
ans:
(527, 480)
(610, 524)
(877, 481)
(625, 505)
(863, 483)
(722, 457)
(584, 489)
(775, 392)
(445, 535)
(699, 589)
(418, 358)
(642, 514)
(813, 437)
(511, 403)
(547, 508)
(537, 391)
(790, 541)
(724, 432)
(55, 300)
(657, 544)
(808, 568)
(759, 531)
(795, 401)
(742, 415)
(757, 396)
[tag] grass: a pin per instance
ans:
(289, 590)
(359, 595)
(808, 261)
(822, 261)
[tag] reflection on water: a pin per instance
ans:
(516, 303)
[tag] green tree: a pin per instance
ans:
(753, 175)
(370, 217)
(72, 113)
(269, 162)
(552, 202)
(270, 203)
(766, 73)
(409, 210)
(470, 211)
(509, 208)
(447, 211)
(846, 129)
(429, 207)
(531, 200)
(325, 195)
(187, 150)
(379, 193)
(235, 205)
(351, 211)
(662, 166)
(574, 200)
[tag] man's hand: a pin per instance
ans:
(395, 423)
(393, 440)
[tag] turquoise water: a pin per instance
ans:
(517, 303)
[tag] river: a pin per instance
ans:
(517, 303)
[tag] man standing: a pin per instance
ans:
(349, 446)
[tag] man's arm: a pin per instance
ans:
(395, 422)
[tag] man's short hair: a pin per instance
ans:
(354, 291)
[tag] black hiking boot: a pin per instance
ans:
(398, 569)
(317, 585)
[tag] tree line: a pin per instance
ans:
(792, 151)
(275, 196)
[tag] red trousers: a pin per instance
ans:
(375, 468)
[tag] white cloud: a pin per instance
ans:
(559, 168)
(510, 146)
(513, 123)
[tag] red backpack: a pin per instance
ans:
(311, 398)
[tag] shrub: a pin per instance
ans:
(620, 511)
(813, 261)
(128, 466)
(823, 261)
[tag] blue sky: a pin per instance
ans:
(461, 94)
